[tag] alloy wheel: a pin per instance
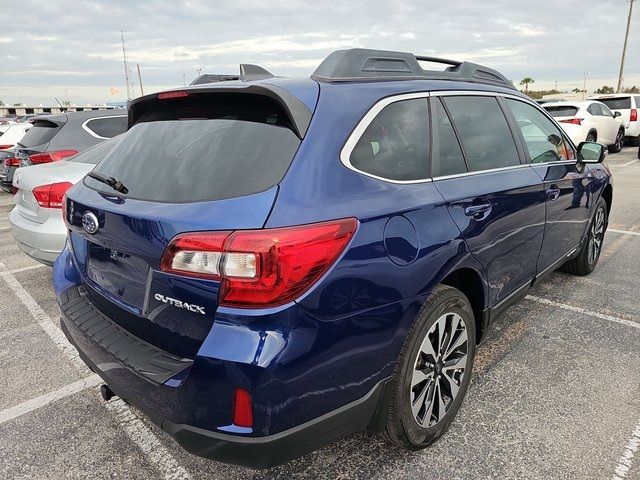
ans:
(619, 141)
(438, 370)
(596, 235)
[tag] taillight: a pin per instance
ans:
(51, 196)
(4, 147)
(260, 268)
(242, 408)
(574, 121)
(633, 115)
(49, 157)
(12, 162)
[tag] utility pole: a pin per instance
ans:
(624, 48)
(140, 79)
(127, 80)
(556, 87)
(584, 85)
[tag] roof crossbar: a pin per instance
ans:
(364, 65)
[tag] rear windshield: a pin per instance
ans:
(96, 153)
(561, 111)
(619, 103)
(41, 132)
(202, 147)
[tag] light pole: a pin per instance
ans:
(624, 48)
(584, 85)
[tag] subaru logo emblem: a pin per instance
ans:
(90, 222)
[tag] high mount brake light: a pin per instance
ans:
(48, 157)
(574, 121)
(51, 196)
(260, 268)
(176, 94)
(5, 146)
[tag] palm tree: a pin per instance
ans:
(526, 81)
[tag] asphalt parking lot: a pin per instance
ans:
(555, 391)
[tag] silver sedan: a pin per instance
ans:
(36, 221)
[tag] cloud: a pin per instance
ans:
(76, 45)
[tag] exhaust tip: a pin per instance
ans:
(106, 392)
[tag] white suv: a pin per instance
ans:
(628, 105)
(589, 121)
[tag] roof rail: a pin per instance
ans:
(364, 65)
(248, 72)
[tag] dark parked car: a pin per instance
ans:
(289, 261)
(54, 137)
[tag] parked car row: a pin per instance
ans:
(263, 265)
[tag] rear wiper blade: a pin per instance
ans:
(117, 185)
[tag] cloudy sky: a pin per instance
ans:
(49, 46)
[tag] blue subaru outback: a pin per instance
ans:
(263, 265)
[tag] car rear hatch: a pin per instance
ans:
(622, 105)
(197, 161)
(37, 139)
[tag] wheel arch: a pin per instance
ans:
(470, 282)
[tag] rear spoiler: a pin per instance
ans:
(297, 111)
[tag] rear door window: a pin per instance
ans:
(447, 156)
(545, 142)
(483, 131)
(41, 132)
(202, 147)
(395, 144)
(106, 127)
(595, 109)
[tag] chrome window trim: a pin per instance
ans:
(480, 172)
(364, 123)
(366, 120)
(86, 128)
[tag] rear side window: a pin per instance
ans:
(395, 144)
(96, 153)
(41, 132)
(107, 127)
(202, 147)
(595, 109)
(619, 103)
(447, 156)
(483, 130)
(544, 140)
(562, 111)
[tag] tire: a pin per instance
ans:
(446, 315)
(585, 262)
(591, 137)
(619, 143)
(634, 141)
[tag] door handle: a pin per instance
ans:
(478, 211)
(553, 193)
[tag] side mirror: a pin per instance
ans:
(616, 114)
(592, 152)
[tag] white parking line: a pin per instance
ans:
(157, 454)
(47, 398)
(584, 311)
(147, 441)
(624, 232)
(624, 464)
(2, 229)
(24, 269)
(630, 163)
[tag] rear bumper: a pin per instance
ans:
(633, 130)
(81, 325)
(41, 241)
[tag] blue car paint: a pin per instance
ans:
(341, 338)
